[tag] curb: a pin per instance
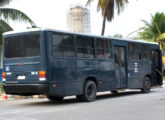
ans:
(11, 97)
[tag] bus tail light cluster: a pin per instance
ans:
(42, 75)
(3, 76)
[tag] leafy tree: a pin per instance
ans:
(155, 29)
(108, 7)
(117, 35)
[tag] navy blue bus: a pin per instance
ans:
(59, 64)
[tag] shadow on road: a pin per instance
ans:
(73, 100)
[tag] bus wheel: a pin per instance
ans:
(146, 85)
(89, 91)
(54, 98)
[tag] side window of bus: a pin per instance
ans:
(146, 52)
(134, 51)
(103, 49)
(85, 47)
(63, 45)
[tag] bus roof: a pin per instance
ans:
(76, 33)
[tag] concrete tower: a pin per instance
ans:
(78, 19)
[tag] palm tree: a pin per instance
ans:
(155, 29)
(10, 14)
(108, 7)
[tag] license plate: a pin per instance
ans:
(21, 77)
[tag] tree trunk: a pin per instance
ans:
(103, 25)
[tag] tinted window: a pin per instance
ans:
(146, 52)
(27, 45)
(134, 51)
(84, 47)
(63, 45)
(103, 49)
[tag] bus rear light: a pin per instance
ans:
(3, 76)
(42, 75)
(42, 79)
(42, 72)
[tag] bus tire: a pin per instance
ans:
(54, 98)
(146, 85)
(90, 91)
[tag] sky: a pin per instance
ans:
(53, 14)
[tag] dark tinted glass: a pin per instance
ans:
(57, 39)
(68, 40)
(63, 45)
(68, 52)
(133, 47)
(22, 46)
(146, 48)
(102, 44)
(84, 42)
(103, 49)
(134, 51)
(85, 47)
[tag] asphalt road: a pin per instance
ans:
(131, 105)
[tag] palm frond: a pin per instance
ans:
(4, 2)
(120, 5)
(15, 15)
(4, 27)
(89, 2)
(110, 10)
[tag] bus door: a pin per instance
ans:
(156, 67)
(120, 67)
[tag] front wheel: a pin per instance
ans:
(90, 91)
(146, 85)
(54, 98)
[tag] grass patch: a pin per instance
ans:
(164, 78)
(1, 88)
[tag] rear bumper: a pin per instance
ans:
(26, 89)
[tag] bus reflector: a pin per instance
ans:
(20, 64)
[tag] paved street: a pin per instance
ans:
(125, 106)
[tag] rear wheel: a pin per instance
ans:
(89, 91)
(146, 85)
(54, 98)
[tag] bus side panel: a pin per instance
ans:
(101, 70)
(105, 73)
(136, 72)
(63, 80)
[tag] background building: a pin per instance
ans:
(78, 19)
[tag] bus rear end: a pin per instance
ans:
(24, 64)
